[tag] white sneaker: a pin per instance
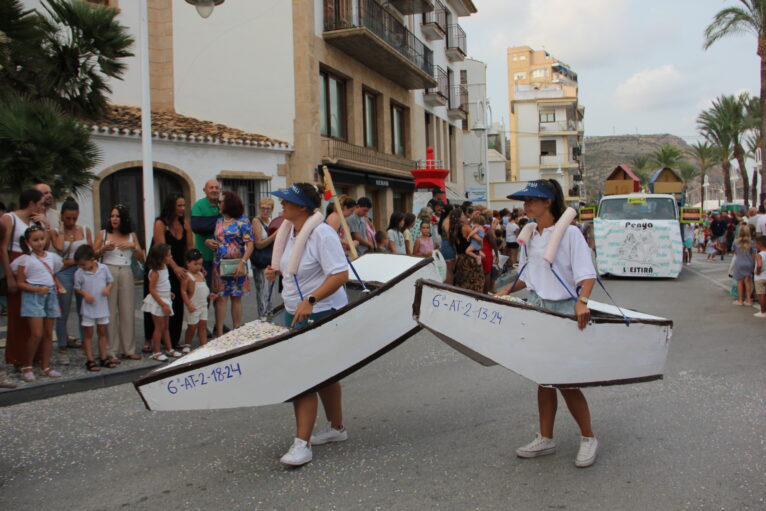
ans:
(760, 315)
(159, 357)
(329, 435)
(299, 454)
(586, 456)
(540, 446)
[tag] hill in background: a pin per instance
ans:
(603, 154)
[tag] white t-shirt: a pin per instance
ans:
(761, 228)
(573, 264)
(323, 256)
(762, 276)
(35, 270)
(398, 238)
(94, 283)
(511, 232)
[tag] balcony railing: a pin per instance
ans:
(458, 98)
(442, 79)
(456, 42)
(435, 22)
(557, 160)
(558, 126)
(365, 157)
(345, 14)
(412, 6)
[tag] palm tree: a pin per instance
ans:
(706, 157)
(753, 140)
(716, 124)
(750, 17)
(688, 173)
(642, 167)
(667, 156)
(739, 128)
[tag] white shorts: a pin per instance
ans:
(192, 318)
(86, 321)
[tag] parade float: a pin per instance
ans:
(620, 346)
(638, 235)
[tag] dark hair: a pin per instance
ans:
(379, 235)
(84, 253)
(2, 206)
(126, 226)
(558, 206)
(480, 219)
(27, 196)
(25, 237)
(69, 205)
(232, 205)
(762, 241)
(167, 214)
(192, 255)
(409, 220)
(395, 220)
(454, 226)
(445, 214)
(345, 202)
(156, 257)
(364, 202)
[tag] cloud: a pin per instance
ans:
(653, 89)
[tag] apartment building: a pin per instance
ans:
(546, 125)
(473, 74)
(375, 85)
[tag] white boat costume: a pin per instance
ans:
(262, 363)
(620, 346)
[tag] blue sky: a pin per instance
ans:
(640, 63)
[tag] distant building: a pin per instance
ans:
(546, 125)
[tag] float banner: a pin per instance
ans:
(691, 215)
(587, 214)
(638, 248)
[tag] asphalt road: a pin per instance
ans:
(429, 429)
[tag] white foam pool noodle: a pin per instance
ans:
(558, 232)
(525, 234)
(300, 241)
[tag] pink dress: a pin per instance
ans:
(426, 244)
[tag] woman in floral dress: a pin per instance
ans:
(234, 238)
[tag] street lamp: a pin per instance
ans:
(205, 7)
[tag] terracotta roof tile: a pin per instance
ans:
(126, 120)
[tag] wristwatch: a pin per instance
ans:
(312, 299)
(584, 299)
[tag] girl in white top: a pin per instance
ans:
(158, 301)
(117, 245)
(36, 278)
(396, 243)
(544, 202)
(760, 275)
(321, 274)
(195, 294)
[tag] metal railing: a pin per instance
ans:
(558, 126)
(438, 16)
(340, 150)
(458, 98)
(456, 38)
(442, 80)
(343, 14)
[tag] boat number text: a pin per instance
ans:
(214, 375)
(467, 309)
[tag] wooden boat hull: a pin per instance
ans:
(543, 346)
(281, 368)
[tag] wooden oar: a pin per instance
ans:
(339, 210)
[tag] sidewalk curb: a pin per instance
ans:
(55, 388)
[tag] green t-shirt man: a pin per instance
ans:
(204, 215)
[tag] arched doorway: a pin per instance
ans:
(126, 187)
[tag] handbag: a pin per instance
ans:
(229, 266)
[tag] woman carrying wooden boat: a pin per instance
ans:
(553, 280)
(309, 254)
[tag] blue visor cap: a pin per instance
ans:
(533, 190)
(296, 196)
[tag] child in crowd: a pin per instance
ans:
(760, 275)
(744, 264)
(476, 238)
(699, 238)
(711, 250)
(157, 302)
(381, 242)
(688, 239)
(36, 277)
(424, 244)
(93, 281)
(195, 294)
